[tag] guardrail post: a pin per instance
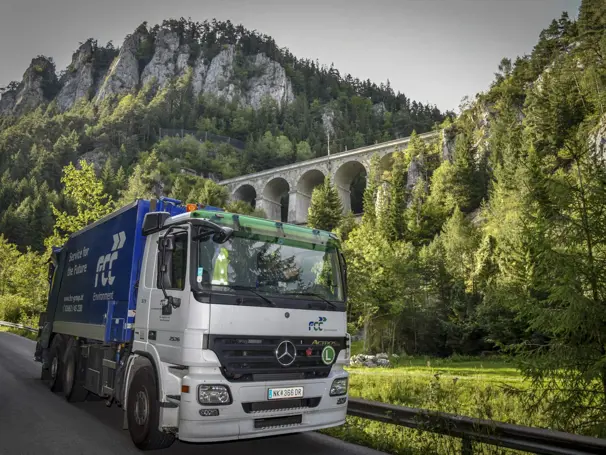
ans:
(466, 447)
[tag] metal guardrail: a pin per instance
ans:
(18, 326)
(202, 136)
(470, 430)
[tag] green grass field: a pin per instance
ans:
(490, 389)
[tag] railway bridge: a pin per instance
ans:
(267, 189)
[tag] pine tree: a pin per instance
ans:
(145, 181)
(244, 208)
(208, 193)
(181, 188)
(84, 191)
(326, 208)
(370, 192)
(591, 23)
(348, 224)
(395, 226)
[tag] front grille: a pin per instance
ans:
(254, 359)
(281, 405)
(274, 422)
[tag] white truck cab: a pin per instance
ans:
(246, 329)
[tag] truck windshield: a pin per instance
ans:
(272, 266)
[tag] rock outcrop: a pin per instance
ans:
(415, 172)
(219, 79)
(271, 81)
(78, 81)
(7, 101)
(597, 140)
(169, 59)
(228, 75)
(379, 109)
(96, 158)
(371, 361)
(38, 86)
(328, 118)
(449, 135)
(123, 74)
(219, 76)
(199, 74)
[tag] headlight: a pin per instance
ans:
(338, 387)
(213, 394)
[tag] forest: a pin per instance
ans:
(499, 246)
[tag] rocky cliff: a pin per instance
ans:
(271, 81)
(156, 59)
(123, 74)
(39, 85)
(78, 80)
(169, 59)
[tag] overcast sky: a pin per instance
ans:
(435, 51)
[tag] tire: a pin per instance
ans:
(72, 387)
(55, 366)
(143, 412)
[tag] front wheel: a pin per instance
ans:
(143, 412)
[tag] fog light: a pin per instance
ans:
(339, 387)
(213, 394)
(342, 400)
(209, 412)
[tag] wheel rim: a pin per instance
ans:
(54, 367)
(141, 408)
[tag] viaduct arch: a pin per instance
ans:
(284, 193)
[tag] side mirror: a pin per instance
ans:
(166, 246)
(154, 222)
(51, 272)
(344, 268)
(220, 234)
(223, 235)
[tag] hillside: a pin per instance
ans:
(118, 108)
(500, 245)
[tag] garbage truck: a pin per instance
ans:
(200, 324)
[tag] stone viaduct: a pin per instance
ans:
(265, 189)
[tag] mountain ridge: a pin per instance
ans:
(224, 60)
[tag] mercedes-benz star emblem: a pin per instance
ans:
(286, 353)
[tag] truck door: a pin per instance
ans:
(167, 318)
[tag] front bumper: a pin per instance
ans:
(233, 422)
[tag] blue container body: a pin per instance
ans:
(98, 269)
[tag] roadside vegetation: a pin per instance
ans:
(20, 332)
(491, 389)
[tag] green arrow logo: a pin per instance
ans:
(328, 355)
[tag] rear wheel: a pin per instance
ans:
(55, 365)
(143, 412)
(74, 391)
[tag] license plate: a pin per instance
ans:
(286, 392)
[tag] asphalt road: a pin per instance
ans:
(35, 421)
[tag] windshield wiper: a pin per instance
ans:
(236, 287)
(313, 294)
